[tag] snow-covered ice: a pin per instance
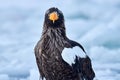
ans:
(93, 23)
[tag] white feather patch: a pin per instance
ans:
(69, 54)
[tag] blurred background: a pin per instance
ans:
(93, 23)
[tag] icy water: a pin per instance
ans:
(93, 23)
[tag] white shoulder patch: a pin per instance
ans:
(69, 54)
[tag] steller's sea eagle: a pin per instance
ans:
(48, 52)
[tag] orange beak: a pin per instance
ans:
(53, 16)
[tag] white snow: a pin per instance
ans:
(93, 23)
(4, 77)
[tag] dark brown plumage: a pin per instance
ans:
(49, 49)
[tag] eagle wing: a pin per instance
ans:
(37, 51)
(71, 44)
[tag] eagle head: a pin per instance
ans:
(54, 17)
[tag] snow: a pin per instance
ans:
(93, 23)
(4, 77)
(34, 74)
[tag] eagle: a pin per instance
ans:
(48, 51)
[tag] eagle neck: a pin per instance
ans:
(53, 41)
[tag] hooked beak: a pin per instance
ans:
(53, 16)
